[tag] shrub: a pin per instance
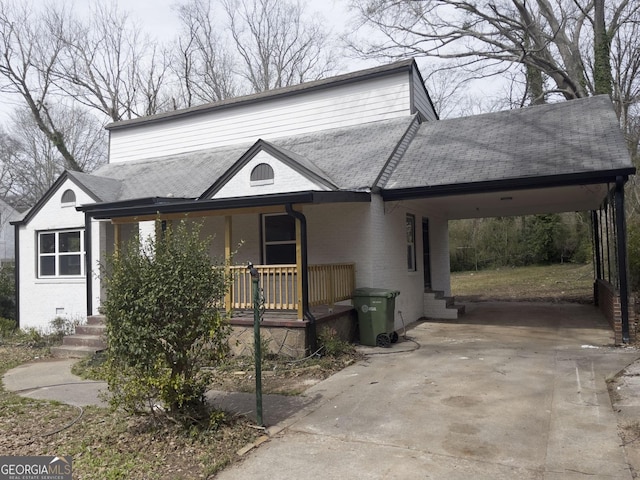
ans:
(164, 308)
(61, 326)
(7, 292)
(333, 345)
(7, 326)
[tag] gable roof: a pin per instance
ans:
(79, 179)
(580, 139)
(568, 143)
(298, 163)
(344, 158)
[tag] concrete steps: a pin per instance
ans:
(88, 339)
(438, 306)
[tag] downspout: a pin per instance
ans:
(621, 228)
(313, 340)
(16, 270)
(87, 263)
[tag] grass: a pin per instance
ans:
(550, 283)
(111, 445)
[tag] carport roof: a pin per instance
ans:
(575, 142)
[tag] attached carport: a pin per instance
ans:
(563, 157)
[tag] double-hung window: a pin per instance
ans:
(279, 232)
(61, 254)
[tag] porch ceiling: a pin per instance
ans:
(518, 202)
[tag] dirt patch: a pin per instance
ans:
(279, 377)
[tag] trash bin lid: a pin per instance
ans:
(375, 292)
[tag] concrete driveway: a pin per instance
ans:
(512, 390)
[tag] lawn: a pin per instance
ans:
(108, 445)
(550, 283)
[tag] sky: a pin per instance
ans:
(159, 19)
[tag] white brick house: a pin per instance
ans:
(347, 182)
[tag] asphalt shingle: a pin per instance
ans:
(556, 139)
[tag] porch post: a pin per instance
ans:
(227, 255)
(116, 238)
(299, 276)
(621, 227)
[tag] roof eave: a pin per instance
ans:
(523, 183)
(108, 211)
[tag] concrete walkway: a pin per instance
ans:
(512, 390)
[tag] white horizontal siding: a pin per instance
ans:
(421, 98)
(346, 105)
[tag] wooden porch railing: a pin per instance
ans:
(328, 284)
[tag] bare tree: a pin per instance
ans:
(28, 56)
(202, 60)
(549, 37)
(106, 64)
(31, 163)
(277, 45)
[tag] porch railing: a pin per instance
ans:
(328, 284)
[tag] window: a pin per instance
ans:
(279, 233)
(68, 198)
(262, 174)
(60, 254)
(411, 242)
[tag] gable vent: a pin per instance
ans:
(262, 174)
(68, 197)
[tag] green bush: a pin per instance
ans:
(7, 292)
(7, 326)
(61, 326)
(164, 311)
(332, 345)
(633, 247)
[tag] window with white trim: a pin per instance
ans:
(61, 254)
(279, 234)
(411, 242)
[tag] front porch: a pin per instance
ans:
(282, 287)
(284, 327)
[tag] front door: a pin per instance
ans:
(425, 254)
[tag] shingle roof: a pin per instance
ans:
(351, 158)
(556, 139)
(186, 175)
(105, 189)
(566, 138)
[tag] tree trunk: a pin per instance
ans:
(602, 47)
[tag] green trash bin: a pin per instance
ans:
(376, 308)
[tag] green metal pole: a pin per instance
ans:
(256, 348)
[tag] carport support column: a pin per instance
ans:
(621, 239)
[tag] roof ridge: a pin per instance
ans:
(398, 152)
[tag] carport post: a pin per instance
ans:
(621, 230)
